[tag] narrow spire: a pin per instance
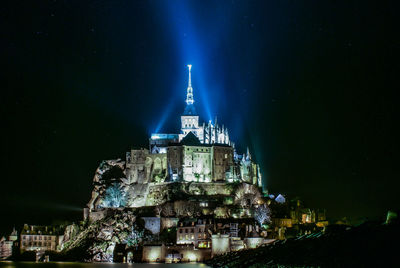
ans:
(190, 76)
(248, 157)
(189, 96)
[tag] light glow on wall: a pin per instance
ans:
(192, 257)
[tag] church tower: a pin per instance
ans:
(190, 118)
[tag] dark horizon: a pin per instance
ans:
(308, 87)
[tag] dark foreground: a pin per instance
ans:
(371, 244)
(97, 265)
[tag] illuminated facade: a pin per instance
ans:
(40, 238)
(202, 152)
(6, 246)
(194, 233)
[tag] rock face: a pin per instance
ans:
(108, 172)
(96, 242)
(125, 193)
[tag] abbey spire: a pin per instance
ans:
(189, 94)
(207, 134)
(189, 109)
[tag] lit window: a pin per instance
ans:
(203, 204)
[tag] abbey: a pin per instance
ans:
(201, 153)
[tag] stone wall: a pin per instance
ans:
(253, 242)
(212, 188)
(237, 244)
(153, 253)
(189, 253)
(220, 244)
(98, 215)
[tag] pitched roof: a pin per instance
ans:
(191, 140)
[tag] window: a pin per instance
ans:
(187, 237)
(192, 230)
(186, 231)
(180, 231)
(203, 204)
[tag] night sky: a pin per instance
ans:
(308, 86)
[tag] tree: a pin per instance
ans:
(168, 210)
(247, 195)
(158, 209)
(221, 212)
(262, 214)
(135, 237)
(114, 197)
(185, 208)
(179, 207)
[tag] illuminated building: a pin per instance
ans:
(196, 233)
(6, 246)
(40, 238)
(200, 153)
